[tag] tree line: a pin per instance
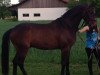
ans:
(4, 12)
(73, 3)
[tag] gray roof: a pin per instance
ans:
(38, 4)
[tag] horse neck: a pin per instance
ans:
(72, 23)
(72, 18)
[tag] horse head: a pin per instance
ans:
(89, 16)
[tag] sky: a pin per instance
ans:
(14, 1)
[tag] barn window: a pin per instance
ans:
(26, 15)
(36, 14)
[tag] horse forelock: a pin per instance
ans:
(89, 16)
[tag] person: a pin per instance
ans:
(91, 37)
(91, 42)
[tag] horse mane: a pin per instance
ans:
(74, 10)
(71, 13)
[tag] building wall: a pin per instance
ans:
(33, 14)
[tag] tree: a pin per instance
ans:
(5, 2)
(73, 3)
(4, 12)
(1, 1)
(97, 3)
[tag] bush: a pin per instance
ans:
(4, 12)
(97, 8)
(73, 3)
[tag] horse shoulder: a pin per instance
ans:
(67, 38)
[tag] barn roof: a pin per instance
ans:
(38, 4)
(41, 4)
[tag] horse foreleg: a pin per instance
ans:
(88, 51)
(65, 61)
(22, 69)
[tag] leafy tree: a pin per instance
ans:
(4, 12)
(1, 1)
(97, 3)
(4, 2)
(73, 3)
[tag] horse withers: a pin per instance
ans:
(59, 34)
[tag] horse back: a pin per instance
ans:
(36, 35)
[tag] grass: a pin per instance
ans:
(39, 62)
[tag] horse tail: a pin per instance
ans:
(5, 52)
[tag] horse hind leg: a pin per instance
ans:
(19, 60)
(15, 66)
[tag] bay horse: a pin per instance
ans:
(58, 34)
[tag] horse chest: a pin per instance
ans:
(67, 39)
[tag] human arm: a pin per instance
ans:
(84, 29)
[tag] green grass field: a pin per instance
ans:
(39, 62)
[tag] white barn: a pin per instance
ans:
(32, 10)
